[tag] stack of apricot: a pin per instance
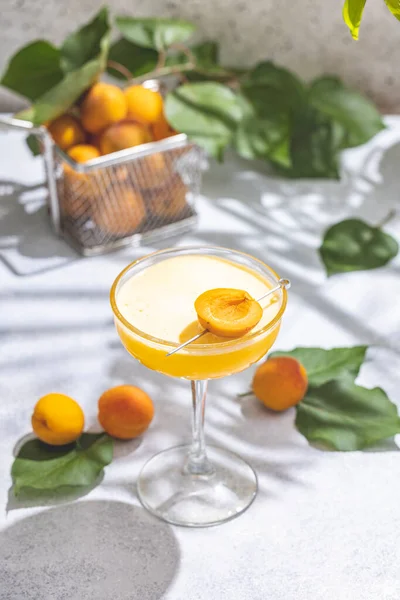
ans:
(106, 120)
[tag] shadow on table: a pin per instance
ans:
(88, 550)
(287, 220)
(28, 244)
(25, 230)
(368, 190)
(267, 441)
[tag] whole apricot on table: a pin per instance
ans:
(103, 105)
(125, 411)
(66, 131)
(227, 312)
(124, 216)
(280, 383)
(162, 129)
(144, 105)
(123, 135)
(83, 152)
(57, 419)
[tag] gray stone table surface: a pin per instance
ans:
(325, 525)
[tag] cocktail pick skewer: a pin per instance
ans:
(282, 284)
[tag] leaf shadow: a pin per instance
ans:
(267, 442)
(25, 230)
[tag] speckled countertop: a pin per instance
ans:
(325, 526)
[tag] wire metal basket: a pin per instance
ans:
(129, 197)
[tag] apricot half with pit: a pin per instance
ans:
(227, 312)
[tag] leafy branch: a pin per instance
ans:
(336, 412)
(265, 112)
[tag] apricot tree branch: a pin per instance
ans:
(112, 64)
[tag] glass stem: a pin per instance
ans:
(198, 463)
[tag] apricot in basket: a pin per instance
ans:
(169, 201)
(121, 213)
(125, 134)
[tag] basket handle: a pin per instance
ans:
(48, 155)
(13, 123)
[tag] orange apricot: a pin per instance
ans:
(227, 312)
(144, 105)
(151, 171)
(103, 105)
(123, 135)
(280, 383)
(124, 216)
(66, 131)
(125, 411)
(78, 191)
(162, 129)
(168, 202)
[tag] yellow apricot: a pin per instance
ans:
(280, 383)
(66, 131)
(144, 105)
(125, 411)
(123, 135)
(57, 419)
(227, 312)
(103, 105)
(83, 152)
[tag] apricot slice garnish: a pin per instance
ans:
(227, 312)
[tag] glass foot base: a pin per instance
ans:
(168, 491)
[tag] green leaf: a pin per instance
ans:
(206, 55)
(33, 70)
(273, 90)
(345, 416)
(207, 112)
(353, 245)
(352, 13)
(257, 138)
(62, 96)
(355, 113)
(324, 365)
(136, 59)
(394, 7)
(89, 42)
(155, 33)
(315, 143)
(32, 141)
(57, 100)
(42, 467)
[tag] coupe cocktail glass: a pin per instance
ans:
(191, 485)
